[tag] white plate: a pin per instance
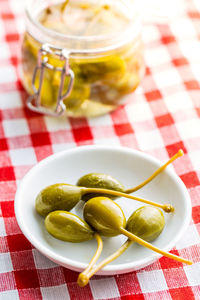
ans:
(128, 166)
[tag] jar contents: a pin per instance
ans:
(101, 80)
(83, 19)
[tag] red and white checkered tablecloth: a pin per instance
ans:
(162, 116)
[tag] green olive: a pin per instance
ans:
(99, 180)
(104, 215)
(58, 196)
(146, 222)
(68, 227)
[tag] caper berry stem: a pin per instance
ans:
(142, 242)
(156, 173)
(166, 207)
(64, 5)
(82, 276)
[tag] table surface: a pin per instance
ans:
(162, 116)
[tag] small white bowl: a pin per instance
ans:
(129, 166)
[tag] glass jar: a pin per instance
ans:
(81, 57)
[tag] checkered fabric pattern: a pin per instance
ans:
(162, 116)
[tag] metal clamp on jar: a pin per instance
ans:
(34, 101)
(82, 57)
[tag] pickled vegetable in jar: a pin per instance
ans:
(81, 57)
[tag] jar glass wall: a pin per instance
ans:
(103, 42)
